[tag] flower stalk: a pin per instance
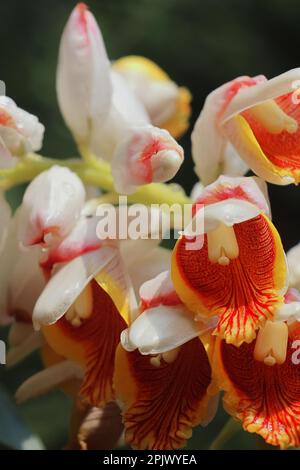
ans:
(92, 171)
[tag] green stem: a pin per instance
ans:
(229, 430)
(95, 172)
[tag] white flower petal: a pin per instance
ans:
(229, 212)
(158, 96)
(125, 111)
(52, 204)
(162, 329)
(126, 103)
(208, 142)
(20, 131)
(159, 288)
(147, 154)
(251, 189)
(263, 91)
(83, 80)
(233, 165)
(66, 285)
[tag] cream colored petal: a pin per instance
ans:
(83, 81)
(47, 380)
(209, 145)
(21, 131)
(159, 288)
(24, 349)
(66, 285)
(83, 237)
(52, 204)
(233, 165)
(162, 329)
(125, 111)
(228, 212)
(146, 154)
(247, 97)
(251, 189)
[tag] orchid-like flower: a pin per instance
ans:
(259, 117)
(20, 132)
(88, 298)
(167, 104)
(125, 327)
(105, 115)
(261, 380)
(236, 268)
(162, 373)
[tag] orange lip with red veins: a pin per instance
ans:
(244, 292)
(162, 404)
(92, 345)
(265, 398)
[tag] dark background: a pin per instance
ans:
(200, 43)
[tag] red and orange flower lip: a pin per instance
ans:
(264, 397)
(239, 273)
(162, 373)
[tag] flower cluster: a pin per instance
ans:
(160, 333)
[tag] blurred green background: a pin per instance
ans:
(201, 44)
